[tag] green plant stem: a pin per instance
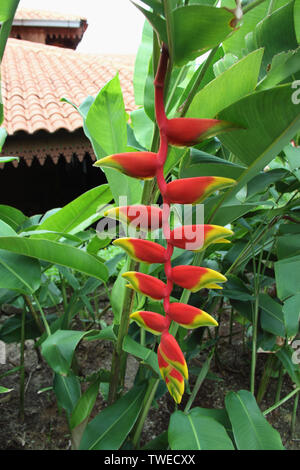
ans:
(33, 313)
(283, 400)
(47, 328)
(63, 291)
(279, 383)
(231, 326)
(22, 366)
(203, 373)
(149, 396)
(271, 360)
(118, 361)
(294, 414)
(195, 87)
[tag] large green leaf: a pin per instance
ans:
(270, 120)
(198, 28)
(287, 272)
(107, 128)
(67, 391)
(236, 82)
(275, 34)
(271, 317)
(297, 19)
(291, 315)
(236, 43)
(285, 355)
(109, 428)
(7, 12)
(56, 253)
(250, 428)
(12, 216)
(11, 329)
(193, 431)
(78, 214)
(148, 356)
(142, 63)
(6, 230)
(283, 66)
(18, 272)
(3, 135)
(288, 246)
(7, 9)
(85, 405)
(58, 349)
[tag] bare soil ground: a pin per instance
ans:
(45, 428)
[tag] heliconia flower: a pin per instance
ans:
(172, 354)
(143, 251)
(198, 237)
(150, 321)
(190, 317)
(141, 165)
(195, 278)
(140, 216)
(185, 132)
(146, 284)
(175, 384)
(195, 190)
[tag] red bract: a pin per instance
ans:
(190, 317)
(195, 190)
(151, 321)
(195, 278)
(138, 216)
(143, 251)
(198, 237)
(141, 165)
(185, 132)
(172, 354)
(145, 284)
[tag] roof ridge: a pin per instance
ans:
(41, 14)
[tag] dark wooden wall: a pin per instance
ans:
(37, 188)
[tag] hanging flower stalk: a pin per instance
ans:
(147, 165)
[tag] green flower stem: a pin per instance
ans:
(294, 414)
(279, 383)
(22, 366)
(200, 379)
(150, 392)
(269, 366)
(283, 400)
(63, 290)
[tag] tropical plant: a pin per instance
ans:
(220, 130)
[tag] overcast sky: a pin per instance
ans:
(115, 26)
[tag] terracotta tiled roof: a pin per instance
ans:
(29, 14)
(35, 77)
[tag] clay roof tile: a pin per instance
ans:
(35, 77)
